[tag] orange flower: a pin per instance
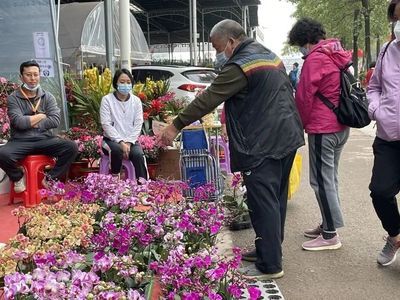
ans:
(142, 96)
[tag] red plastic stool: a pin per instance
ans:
(34, 166)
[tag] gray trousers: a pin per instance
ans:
(324, 154)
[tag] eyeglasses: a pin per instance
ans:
(33, 75)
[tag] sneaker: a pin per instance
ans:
(313, 232)
(251, 272)
(19, 186)
(389, 252)
(250, 256)
(320, 243)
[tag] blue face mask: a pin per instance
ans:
(304, 51)
(32, 88)
(220, 60)
(124, 89)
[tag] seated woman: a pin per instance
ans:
(121, 116)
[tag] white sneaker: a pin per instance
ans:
(19, 186)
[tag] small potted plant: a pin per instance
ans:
(234, 200)
(89, 147)
(152, 152)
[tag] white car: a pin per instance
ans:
(184, 81)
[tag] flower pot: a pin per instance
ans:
(75, 170)
(241, 222)
(153, 290)
(152, 169)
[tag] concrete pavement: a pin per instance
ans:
(350, 272)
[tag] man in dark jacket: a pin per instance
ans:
(264, 131)
(33, 112)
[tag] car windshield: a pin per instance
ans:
(200, 76)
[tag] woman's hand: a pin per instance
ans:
(126, 148)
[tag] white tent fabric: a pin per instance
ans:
(82, 34)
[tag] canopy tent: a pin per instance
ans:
(82, 35)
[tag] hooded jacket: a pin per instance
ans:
(20, 110)
(384, 93)
(320, 72)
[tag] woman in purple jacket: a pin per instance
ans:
(384, 107)
(323, 59)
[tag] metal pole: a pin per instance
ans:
(148, 30)
(125, 34)
(58, 17)
(194, 7)
(108, 22)
(208, 49)
(202, 27)
(244, 18)
(172, 53)
(190, 31)
(169, 47)
(59, 75)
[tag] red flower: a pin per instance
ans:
(142, 96)
(156, 106)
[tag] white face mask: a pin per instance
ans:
(31, 88)
(220, 60)
(397, 31)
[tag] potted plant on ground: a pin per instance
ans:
(152, 152)
(234, 200)
(89, 147)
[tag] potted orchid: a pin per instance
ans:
(234, 200)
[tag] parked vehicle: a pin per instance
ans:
(184, 81)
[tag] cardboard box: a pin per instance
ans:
(168, 167)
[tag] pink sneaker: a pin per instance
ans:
(320, 243)
(313, 232)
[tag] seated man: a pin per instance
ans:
(33, 112)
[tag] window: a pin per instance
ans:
(142, 74)
(200, 76)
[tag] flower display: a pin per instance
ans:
(84, 96)
(151, 147)
(4, 125)
(88, 141)
(97, 244)
(6, 88)
(158, 103)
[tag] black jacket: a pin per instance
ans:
(262, 120)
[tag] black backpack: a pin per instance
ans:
(353, 104)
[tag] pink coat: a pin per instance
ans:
(320, 72)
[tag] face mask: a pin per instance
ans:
(397, 31)
(220, 60)
(304, 51)
(32, 88)
(124, 89)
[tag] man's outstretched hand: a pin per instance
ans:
(167, 136)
